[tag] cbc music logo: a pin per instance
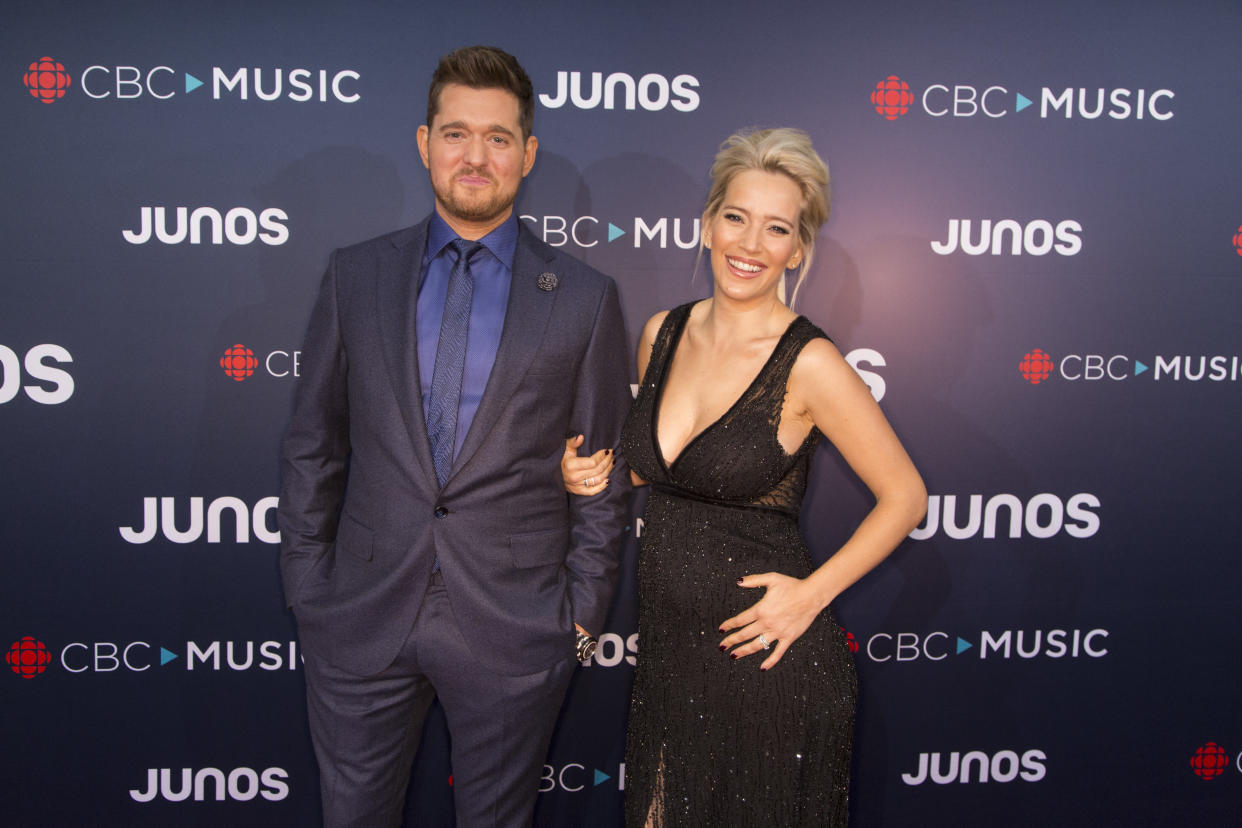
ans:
(239, 225)
(978, 766)
(904, 647)
(161, 515)
(1038, 366)
(213, 784)
(1001, 237)
(1043, 515)
(893, 98)
(586, 231)
(51, 385)
(1210, 761)
(239, 363)
(28, 657)
(653, 92)
(574, 777)
(48, 81)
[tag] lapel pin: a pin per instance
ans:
(546, 281)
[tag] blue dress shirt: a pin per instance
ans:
(492, 270)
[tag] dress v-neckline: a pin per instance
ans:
(674, 343)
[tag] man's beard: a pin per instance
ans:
(475, 210)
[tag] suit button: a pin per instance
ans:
(440, 512)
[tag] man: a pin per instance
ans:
(427, 544)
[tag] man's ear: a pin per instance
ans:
(421, 139)
(528, 158)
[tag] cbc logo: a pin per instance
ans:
(1035, 238)
(978, 766)
(240, 363)
(239, 225)
(1211, 760)
(652, 92)
(239, 784)
(54, 385)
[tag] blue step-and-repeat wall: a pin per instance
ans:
(1034, 259)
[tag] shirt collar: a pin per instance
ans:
(501, 242)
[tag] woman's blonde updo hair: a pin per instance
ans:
(789, 152)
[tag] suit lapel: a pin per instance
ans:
(526, 317)
(396, 274)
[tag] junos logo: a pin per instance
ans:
(652, 92)
(978, 766)
(239, 225)
(613, 649)
(893, 98)
(1009, 237)
(159, 515)
(37, 368)
(239, 784)
(1041, 516)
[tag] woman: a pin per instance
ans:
(736, 392)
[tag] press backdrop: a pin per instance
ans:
(1033, 259)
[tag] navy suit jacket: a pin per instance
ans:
(361, 515)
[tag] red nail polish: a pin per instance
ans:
(723, 648)
(739, 580)
(763, 669)
(733, 656)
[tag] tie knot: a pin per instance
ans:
(465, 248)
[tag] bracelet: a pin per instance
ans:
(586, 646)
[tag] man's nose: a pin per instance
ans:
(476, 152)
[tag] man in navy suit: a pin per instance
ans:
(427, 544)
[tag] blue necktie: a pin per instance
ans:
(450, 361)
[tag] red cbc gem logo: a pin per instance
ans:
(892, 98)
(1036, 367)
(238, 362)
(1237, 241)
(28, 657)
(1209, 761)
(850, 640)
(47, 80)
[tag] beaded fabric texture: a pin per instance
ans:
(712, 741)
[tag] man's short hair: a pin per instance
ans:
(484, 67)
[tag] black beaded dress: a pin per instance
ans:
(714, 742)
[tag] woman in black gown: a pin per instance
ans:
(736, 392)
